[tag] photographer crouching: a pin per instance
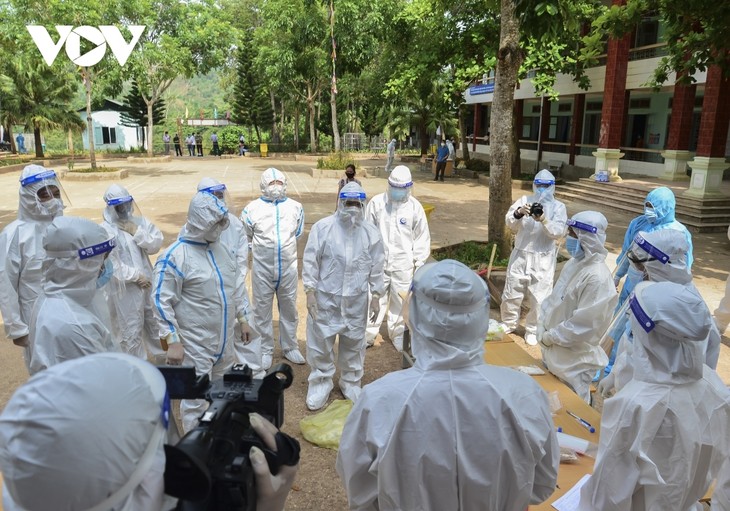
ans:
(90, 434)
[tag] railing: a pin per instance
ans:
(650, 51)
(528, 144)
(556, 147)
(641, 154)
(586, 149)
(480, 140)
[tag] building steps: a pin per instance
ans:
(698, 215)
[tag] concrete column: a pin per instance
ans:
(576, 126)
(709, 164)
(677, 152)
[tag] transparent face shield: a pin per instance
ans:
(620, 325)
(50, 196)
(123, 212)
(220, 192)
(352, 206)
(399, 193)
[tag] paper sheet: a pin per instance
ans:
(569, 501)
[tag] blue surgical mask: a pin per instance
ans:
(573, 247)
(650, 214)
(398, 194)
(107, 271)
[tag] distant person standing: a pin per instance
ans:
(452, 150)
(20, 141)
(199, 143)
(441, 156)
(241, 145)
(349, 178)
(214, 140)
(190, 141)
(166, 141)
(176, 141)
(391, 156)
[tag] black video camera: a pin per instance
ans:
(209, 469)
(536, 209)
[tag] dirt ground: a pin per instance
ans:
(162, 190)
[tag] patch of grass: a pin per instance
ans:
(89, 170)
(472, 253)
(4, 162)
(336, 161)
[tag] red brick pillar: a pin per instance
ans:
(680, 126)
(715, 115)
(613, 113)
(576, 126)
(477, 125)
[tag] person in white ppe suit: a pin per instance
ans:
(664, 435)
(272, 224)
(129, 297)
(233, 238)
(407, 242)
(722, 313)
(659, 256)
(390, 154)
(197, 301)
(531, 265)
(96, 440)
(343, 261)
(580, 307)
(451, 432)
(21, 251)
(71, 317)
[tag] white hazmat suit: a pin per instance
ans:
(407, 242)
(722, 313)
(580, 308)
(661, 255)
(233, 238)
(390, 155)
(451, 432)
(532, 263)
(95, 440)
(21, 251)
(71, 317)
(664, 435)
(343, 261)
(196, 298)
(129, 297)
(272, 224)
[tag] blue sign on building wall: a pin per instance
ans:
(485, 88)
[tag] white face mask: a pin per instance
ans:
(351, 215)
(53, 207)
(276, 191)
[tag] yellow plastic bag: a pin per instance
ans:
(325, 428)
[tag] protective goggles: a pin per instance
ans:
(119, 200)
(654, 253)
(640, 314)
(544, 182)
(582, 226)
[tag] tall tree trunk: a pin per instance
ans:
(423, 134)
(71, 143)
(37, 139)
(86, 74)
(296, 127)
(150, 124)
(509, 59)
(9, 131)
(310, 109)
(462, 129)
(274, 134)
(335, 129)
(281, 121)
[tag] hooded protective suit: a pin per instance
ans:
(664, 435)
(196, 296)
(343, 260)
(272, 224)
(673, 244)
(579, 309)
(489, 442)
(22, 254)
(722, 313)
(407, 242)
(234, 239)
(71, 316)
(532, 263)
(129, 298)
(95, 439)
(390, 150)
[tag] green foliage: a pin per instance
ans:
(473, 254)
(134, 112)
(336, 161)
(87, 170)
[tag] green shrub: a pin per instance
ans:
(478, 165)
(335, 161)
(88, 170)
(472, 253)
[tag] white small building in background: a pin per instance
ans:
(109, 134)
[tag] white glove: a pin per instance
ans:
(524, 210)
(312, 304)
(271, 490)
(607, 385)
(374, 308)
(546, 339)
(245, 329)
(143, 282)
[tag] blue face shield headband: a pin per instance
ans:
(119, 200)
(582, 226)
(352, 195)
(650, 249)
(215, 188)
(95, 250)
(38, 177)
(544, 182)
(640, 314)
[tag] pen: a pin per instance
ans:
(583, 422)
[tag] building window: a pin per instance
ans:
(591, 128)
(108, 135)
